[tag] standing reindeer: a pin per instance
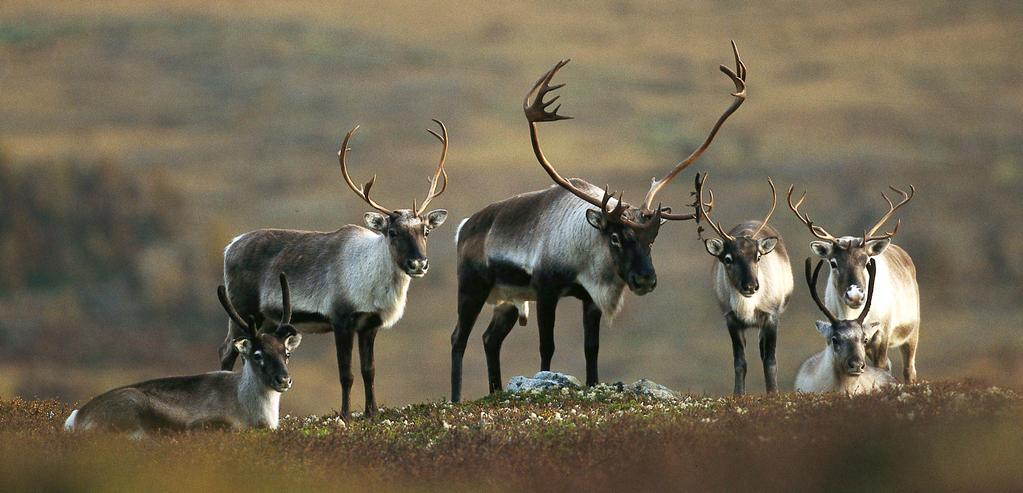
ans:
(236, 400)
(350, 281)
(753, 282)
(842, 364)
(897, 305)
(544, 245)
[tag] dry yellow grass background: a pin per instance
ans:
(238, 107)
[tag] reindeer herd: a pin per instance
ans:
(521, 254)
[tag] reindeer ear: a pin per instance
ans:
(766, 245)
(822, 249)
(595, 218)
(436, 218)
(876, 247)
(243, 345)
(875, 333)
(292, 342)
(824, 328)
(714, 246)
(376, 221)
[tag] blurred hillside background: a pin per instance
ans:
(137, 138)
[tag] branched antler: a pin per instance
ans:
(906, 197)
(739, 78)
(361, 190)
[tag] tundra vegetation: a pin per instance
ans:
(562, 439)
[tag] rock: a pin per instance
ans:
(649, 388)
(548, 380)
(544, 380)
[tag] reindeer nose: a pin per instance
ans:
(644, 283)
(418, 265)
(857, 364)
(751, 287)
(284, 381)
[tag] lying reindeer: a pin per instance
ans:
(842, 365)
(249, 398)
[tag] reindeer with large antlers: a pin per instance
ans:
(352, 281)
(753, 282)
(897, 302)
(572, 239)
(842, 365)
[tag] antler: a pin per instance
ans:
(805, 218)
(706, 212)
(774, 203)
(440, 173)
(872, 270)
(906, 197)
(361, 191)
(285, 301)
(812, 283)
(231, 312)
(535, 109)
(739, 78)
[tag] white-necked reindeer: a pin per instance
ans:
(350, 281)
(753, 283)
(562, 241)
(897, 305)
(249, 398)
(842, 365)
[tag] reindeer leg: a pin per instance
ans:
(546, 305)
(471, 297)
(768, 342)
(909, 357)
(344, 339)
(504, 319)
(737, 331)
(367, 337)
(591, 339)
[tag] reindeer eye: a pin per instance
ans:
(834, 263)
(392, 233)
(426, 232)
(728, 258)
(616, 240)
(834, 341)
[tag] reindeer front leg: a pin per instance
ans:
(367, 336)
(768, 343)
(344, 339)
(737, 331)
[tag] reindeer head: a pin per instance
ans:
(847, 339)
(848, 255)
(406, 229)
(629, 231)
(740, 254)
(265, 352)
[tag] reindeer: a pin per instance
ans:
(350, 281)
(898, 308)
(541, 246)
(841, 366)
(236, 400)
(753, 282)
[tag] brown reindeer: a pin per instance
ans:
(237, 400)
(352, 281)
(897, 304)
(572, 239)
(753, 283)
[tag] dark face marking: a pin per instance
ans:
(630, 248)
(848, 339)
(741, 259)
(268, 354)
(406, 235)
(848, 260)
